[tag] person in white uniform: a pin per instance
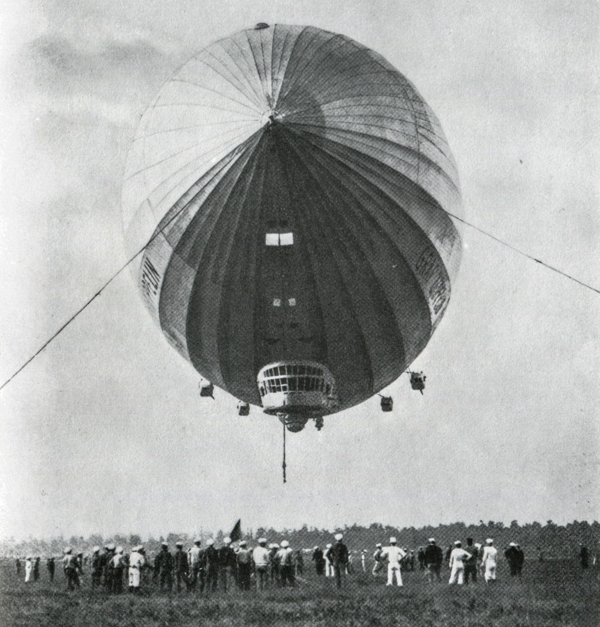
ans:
(489, 560)
(28, 569)
(328, 564)
(458, 558)
(136, 563)
(394, 555)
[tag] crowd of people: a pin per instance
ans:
(206, 569)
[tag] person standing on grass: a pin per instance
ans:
(50, 565)
(211, 560)
(260, 557)
(96, 567)
(244, 565)
(28, 569)
(421, 558)
(285, 557)
(394, 555)
(18, 565)
(512, 557)
(180, 561)
(274, 564)
(136, 565)
(458, 556)
(118, 566)
(71, 568)
(163, 565)
(363, 560)
(227, 565)
(36, 568)
(520, 560)
(584, 556)
(377, 557)
(489, 560)
(471, 562)
(328, 565)
(197, 565)
(434, 557)
(340, 559)
(319, 561)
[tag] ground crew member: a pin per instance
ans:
(458, 556)
(394, 555)
(136, 564)
(299, 563)
(244, 566)
(197, 565)
(50, 565)
(71, 568)
(274, 564)
(260, 557)
(520, 560)
(584, 556)
(377, 557)
(107, 566)
(319, 561)
(285, 558)
(328, 565)
(363, 560)
(434, 557)
(488, 561)
(211, 560)
(163, 565)
(36, 568)
(117, 564)
(227, 565)
(512, 557)
(339, 558)
(28, 569)
(471, 562)
(421, 558)
(96, 567)
(181, 566)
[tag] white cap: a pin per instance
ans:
(119, 549)
(393, 540)
(328, 546)
(110, 547)
(243, 543)
(489, 541)
(315, 548)
(431, 540)
(210, 542)
(458, 543)
(338, 536)
(512, 544)
(262, 540)
(284, 544)
(227, 540)
(378, 544)
(67, 550)
(95, 549)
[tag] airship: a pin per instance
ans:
(289, 194)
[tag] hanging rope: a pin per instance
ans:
(284, 465)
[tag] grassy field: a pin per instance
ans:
(549, 594)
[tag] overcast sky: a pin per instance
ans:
(105, 432)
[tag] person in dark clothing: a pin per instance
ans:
(434, 557)
(285, 559)
(421, 558)
(319, 560)
(163, 565)
(109, 552)
(227, 565)
(72, 569)
(299, 563)
(471, 562)
(244, 566)
(520, 560)
(36, 568)
(180, 561)
(211, 557)
(338, 555)
(584, 557)
(96, 567)
(512, 557)
(18, 565)
(50, 565)
(274, 566)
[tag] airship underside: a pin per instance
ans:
(294, 187)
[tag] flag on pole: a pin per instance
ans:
(236, 532)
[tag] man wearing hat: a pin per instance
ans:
(163, 567)
(196, 562)
(71, 568)
(434, 556)
(394, 555)
(488, 561)
(512, 557)
(274, 564)
(260, 557)
(109, 551)
(458, 556)
(118, 566)
(96, 567)
(227, 565)
(319, 560)
(377, 557)
(285, 558)
(136, 564)
(211, 561)
(338, 556)
(180, 561)
(244, 565)
(328, 564)
(471, 563)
